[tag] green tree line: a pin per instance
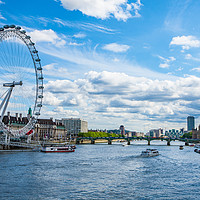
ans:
(98, 134)
(187, 135)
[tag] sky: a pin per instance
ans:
(125, 62)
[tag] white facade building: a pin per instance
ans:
(74, 126)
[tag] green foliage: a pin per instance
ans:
(187, 135)
(97, 134)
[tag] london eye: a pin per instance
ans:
(21, 80)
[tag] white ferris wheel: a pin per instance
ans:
(21, 80)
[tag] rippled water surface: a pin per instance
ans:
(102, 171)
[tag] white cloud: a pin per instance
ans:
(167, 61)
(1, 17)
(196, 69)
(180, 69)
(103, 9)
(190, 57)
(76, 44)
(47, 36)
(79, 35)
(1, 2)
(84, 26)
(111, 95)
(87, 59)
(164, 65)
(53, 70)
(116, 47)
(186, 42)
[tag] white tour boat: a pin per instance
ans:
(57, 148)
(150, 153)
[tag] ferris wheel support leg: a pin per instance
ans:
(29, 139)
(6, 139)
(6, 100)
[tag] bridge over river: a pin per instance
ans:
(80, 140)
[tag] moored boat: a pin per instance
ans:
(150, 153)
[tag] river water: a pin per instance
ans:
(102, 171)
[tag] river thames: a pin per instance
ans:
(102, 171)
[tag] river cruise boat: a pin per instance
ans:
(57, 148)
(150, 153)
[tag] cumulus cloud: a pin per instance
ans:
(47, 36)
(116, 47)
(120, 95)
(103, 9)
(186, 42)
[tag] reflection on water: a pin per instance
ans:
(102, 171)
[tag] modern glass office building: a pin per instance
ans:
(190, 123)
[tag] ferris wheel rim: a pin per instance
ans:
(15, 31)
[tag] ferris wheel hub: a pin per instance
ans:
(13, 84)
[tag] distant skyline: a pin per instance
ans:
(135, 63)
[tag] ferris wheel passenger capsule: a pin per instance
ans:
(23, 31)
(6, 26)
(18, 28)
(12, 26)
(41, 78)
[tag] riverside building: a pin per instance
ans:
(196, 133)
(44, 129)
(48, 129)
(155, 133)
(173, 133)
(74, 126)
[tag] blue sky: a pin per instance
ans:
(134, 63)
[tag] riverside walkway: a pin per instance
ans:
(19, 145)
(80, 140)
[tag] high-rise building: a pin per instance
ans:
(190, 123)
(122, 129)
